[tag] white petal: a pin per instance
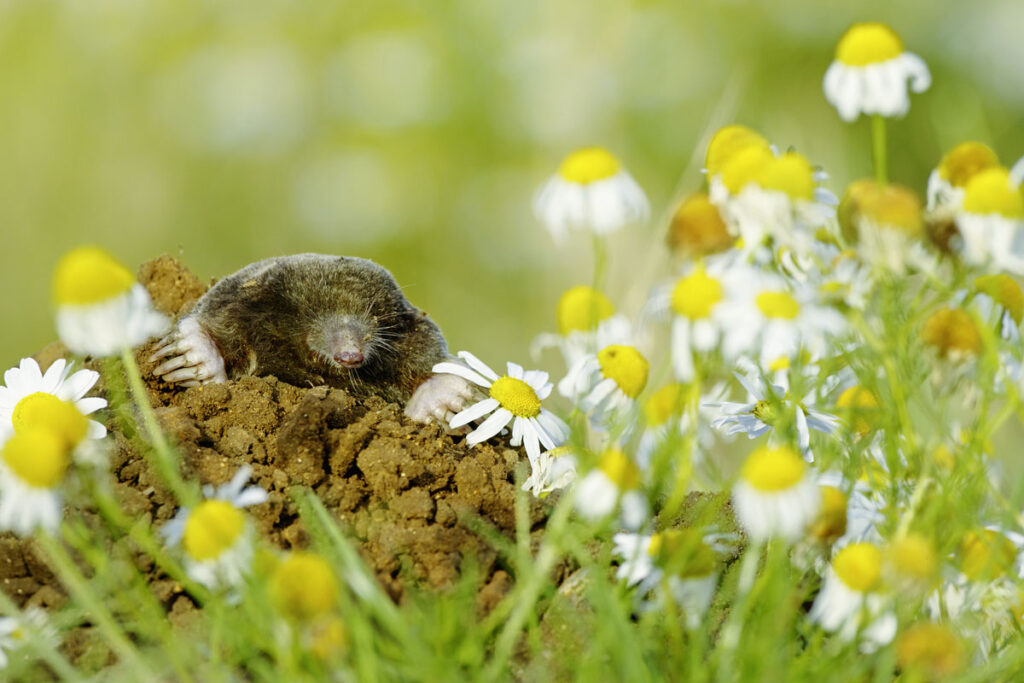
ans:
(491, 426)
(474, 412)
(478, 365)
(461, 371)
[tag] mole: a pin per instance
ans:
(316, 319)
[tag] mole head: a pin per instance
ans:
(343, 342)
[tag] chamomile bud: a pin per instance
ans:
(697, 228)
(100, 307)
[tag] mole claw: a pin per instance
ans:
(167, 366)
(191, 372)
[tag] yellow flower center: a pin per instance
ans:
(868, 43)
(986, 555)
(683, 552)
(665, 403)
(780, 363)
(831, 522)
(778, 305)
(89, 275)
(697, 228)
(913, 556)
(773, 468)
(696, 294)
(46, 411)
(516, 396)
(929, 652)
(303, 586)
(328, 638)
(951, 330)
(1005, 291)
(890, 206)
(859, 566)
(991, 191)
(791, 174)
(745, 166)
(727, 142)
(619, 469)
(588, 165)
(38, 456)
(213, 527)
(943, 457)
(860, 406)
(965, 161)
(626, 366)
(582, 308)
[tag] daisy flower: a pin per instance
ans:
(590, 192)
(991, 221)
(216, 536)
(947, 181)
(303, 586)
(871, 71)
(27, 385)
(12, 632)
(515, 397)
(587, 321)
(553, 470)
(850, 601)
(606, 382)
(101, 309)
(885, 221)
(726, 143)
(776, 495)
(769, 406)
(34, 464)
(614, 482)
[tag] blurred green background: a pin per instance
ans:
(414, 133)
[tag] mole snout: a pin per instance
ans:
(346, 346)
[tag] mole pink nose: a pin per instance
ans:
(349, 358)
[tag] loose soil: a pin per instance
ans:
(402, 491)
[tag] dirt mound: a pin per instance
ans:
(402, 491)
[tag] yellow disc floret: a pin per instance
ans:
(778, 305)
(89, 275)
(1005, 291)
(913, 557)
(213, 527)
(588, 165)
(992, 191)
(665, 404)
(952, 331)
(696, 294)
(868, 43)
(38, 456)
(697, 228)
(773, 468)
(965, 161)
(582, 308)
(929, 652)
(43, 410)
(727, 142)
(860, 407)
(626, 366)
(859, 566)
(831, 521)
(303, 586)
(986, 554)
(791, 174)
(516, 396)
(745, 167)
(619, 469)
(890, 206)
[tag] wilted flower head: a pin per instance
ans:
(592, 192)
(101, 309)
(697, 228)
(885, 221)
(871, 71)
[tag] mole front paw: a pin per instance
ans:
(193, 358)
(439, 399)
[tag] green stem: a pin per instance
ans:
(600, 261)
(164, 461)
(878, 139)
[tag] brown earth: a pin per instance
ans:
(402, 491)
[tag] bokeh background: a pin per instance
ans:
(415, 133)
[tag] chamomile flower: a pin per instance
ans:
(1001, 297)
(953, 333)
(607, 382)
(726, 143)
(871, 72)
(698, 300)
(769, 408)
(34, 464)
(885, 221)
(850, 600)
(614, 482)
(776, 495)
(303, 586)
(216, 536)
(947, 181)
(12, 632)
(991, 221)
(591, 192)
(697, 228)
(27, 388)
(554, 469)
(515, 397)
(930, 652)
(587, 321)
(101, 309)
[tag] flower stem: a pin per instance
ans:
(164, 461)
(878, 139)
(600, 261)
